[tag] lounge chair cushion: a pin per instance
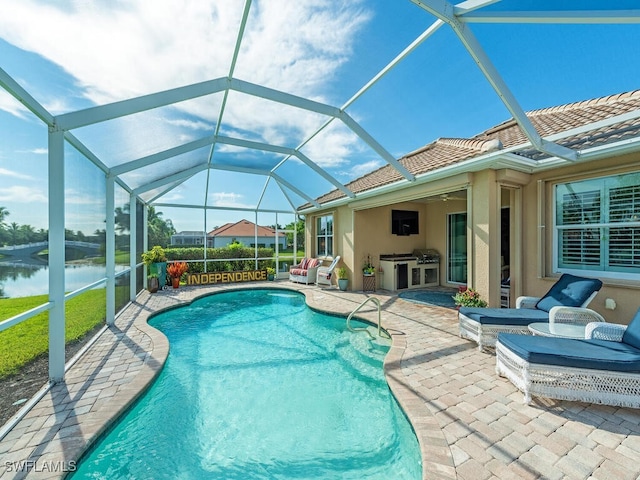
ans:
(567, 352)
(298, 271)
(570, 291)
(632, 333)
(504, 316)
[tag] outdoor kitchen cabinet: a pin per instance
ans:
(408, 274)
(426, 275)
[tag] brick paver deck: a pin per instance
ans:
(471, 424)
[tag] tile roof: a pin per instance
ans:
(243, 228)
(548, 121)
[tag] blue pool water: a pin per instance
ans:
(259, 386)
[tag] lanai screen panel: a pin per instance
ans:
(322, 52)
(131, 137)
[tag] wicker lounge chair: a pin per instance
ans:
(603, 368)
(483, 324)
(323, 276)
(304, 272)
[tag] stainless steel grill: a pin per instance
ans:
(426, 255)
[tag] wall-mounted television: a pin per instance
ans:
(404, 222)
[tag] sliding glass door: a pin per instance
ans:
(457, 248)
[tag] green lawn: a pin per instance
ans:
(29, 339)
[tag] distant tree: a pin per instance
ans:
(299, 228)
(100, 237)
(42, 235)
(4, 213)
(4, 237)
(27, 233)
(14, 233)
(160, 230)
(122, 218)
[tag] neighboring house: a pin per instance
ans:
(188, 238)
(496, 208)
(248, 234)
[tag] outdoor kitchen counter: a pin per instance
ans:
(404, 271)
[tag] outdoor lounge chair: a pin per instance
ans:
(603, 368)
(304, 272)
(323, 276)
(483, 324)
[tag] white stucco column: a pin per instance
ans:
(485, 239)
(56, 256)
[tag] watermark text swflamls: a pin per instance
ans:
(58, 466)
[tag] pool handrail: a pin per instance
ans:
(351, 329)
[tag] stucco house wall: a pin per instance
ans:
(538, 258)
(487, 174)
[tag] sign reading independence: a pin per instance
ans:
(226, 277)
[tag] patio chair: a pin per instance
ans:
(603, 368)
(323, 276)
(483, 324)
(305, 271)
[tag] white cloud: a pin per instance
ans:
(360, 169)
(22, 194)
(12, 106)
(226, 199)
(190, 124)
(171, 197)
(40, 151)
(118, 50)
(334, 145)
(74, 197)
(11, 173)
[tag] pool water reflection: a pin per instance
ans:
(258, 385)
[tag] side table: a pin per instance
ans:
(563, 330)
(368, 283)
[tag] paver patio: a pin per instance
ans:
(471, 424)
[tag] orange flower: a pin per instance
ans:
(176, 269)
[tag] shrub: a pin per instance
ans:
(468, 297)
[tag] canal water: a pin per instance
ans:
(25, 279)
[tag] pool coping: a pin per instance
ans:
(73, 414)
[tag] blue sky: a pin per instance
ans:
(82, 53)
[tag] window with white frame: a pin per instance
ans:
(324, 236)
(597, 225)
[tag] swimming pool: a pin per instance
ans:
(258, 385)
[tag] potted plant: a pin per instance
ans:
(271, 273)
(156, 262)
(152, 282)
(468, 297)
(176, 270)
(343, 280)
(368, 269)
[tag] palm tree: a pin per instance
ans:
(27, 233)
(122, 219)
(4, 213)
(14, 231)
(160, 230)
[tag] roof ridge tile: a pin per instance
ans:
(586, 103)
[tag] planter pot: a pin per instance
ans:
(152, 284)
(175, 281)
(343, 283)
(160, 269)
(271, 277)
